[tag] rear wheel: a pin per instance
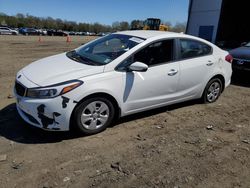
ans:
(94, 115)
(212, 91)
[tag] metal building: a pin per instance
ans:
(224, 22)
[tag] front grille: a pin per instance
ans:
(20, 89)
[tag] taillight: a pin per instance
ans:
(229, 58)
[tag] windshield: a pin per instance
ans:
(104, 50)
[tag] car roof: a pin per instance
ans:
(146, 34)
(149, 33)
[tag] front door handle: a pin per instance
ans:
(172, 72)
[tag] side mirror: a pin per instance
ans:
(138, 66)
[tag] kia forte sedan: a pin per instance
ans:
(118, 75)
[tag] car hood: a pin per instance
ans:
(241, 53)
(56, 69)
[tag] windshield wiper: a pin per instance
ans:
(72, 56)
(88, 61)
(77, 57)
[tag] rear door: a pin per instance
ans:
(196, 65)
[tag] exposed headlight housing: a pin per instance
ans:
(53, 90)
(41, 93)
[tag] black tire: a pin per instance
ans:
(216, 82)
(81, 107)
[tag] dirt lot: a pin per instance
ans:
(180, 146)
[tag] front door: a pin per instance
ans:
(156, 86)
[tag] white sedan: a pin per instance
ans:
(7, 31)
(118, 75)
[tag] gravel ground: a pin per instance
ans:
(179, 146)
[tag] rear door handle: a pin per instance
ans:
(172, 72)
(210, 63)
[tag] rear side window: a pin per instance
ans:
(156, 53)
(192, 49)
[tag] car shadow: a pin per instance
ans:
(156, 111)
(241, 79)
(13, 128)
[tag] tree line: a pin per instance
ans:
(21, 20)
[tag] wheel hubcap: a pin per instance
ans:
(213, 92)
(94, 115)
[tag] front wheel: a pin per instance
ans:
(94, 115)
(212, 91)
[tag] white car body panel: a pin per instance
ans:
(194, 75)
(61, 69)
(133, 91)
(141, 91)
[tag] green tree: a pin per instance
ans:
(136, 24)
(179, 27)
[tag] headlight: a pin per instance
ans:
(53, 90)
(41, 93)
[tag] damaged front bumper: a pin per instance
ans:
(47, 114)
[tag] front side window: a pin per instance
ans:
(156, 53)
(105, 49)
(191, 48)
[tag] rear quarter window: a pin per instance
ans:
(192, 48)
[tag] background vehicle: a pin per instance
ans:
(56, 33)
(42, 31)
(154, 24)
(241, 58)
(7, 31)
(73, 33)
(118, 75)
(29, 31)
(101, 34)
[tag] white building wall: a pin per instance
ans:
(204, 13)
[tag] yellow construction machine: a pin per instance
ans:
(154, 24)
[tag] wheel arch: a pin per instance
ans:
(218, 76)
(222, 79)
(99, 94)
